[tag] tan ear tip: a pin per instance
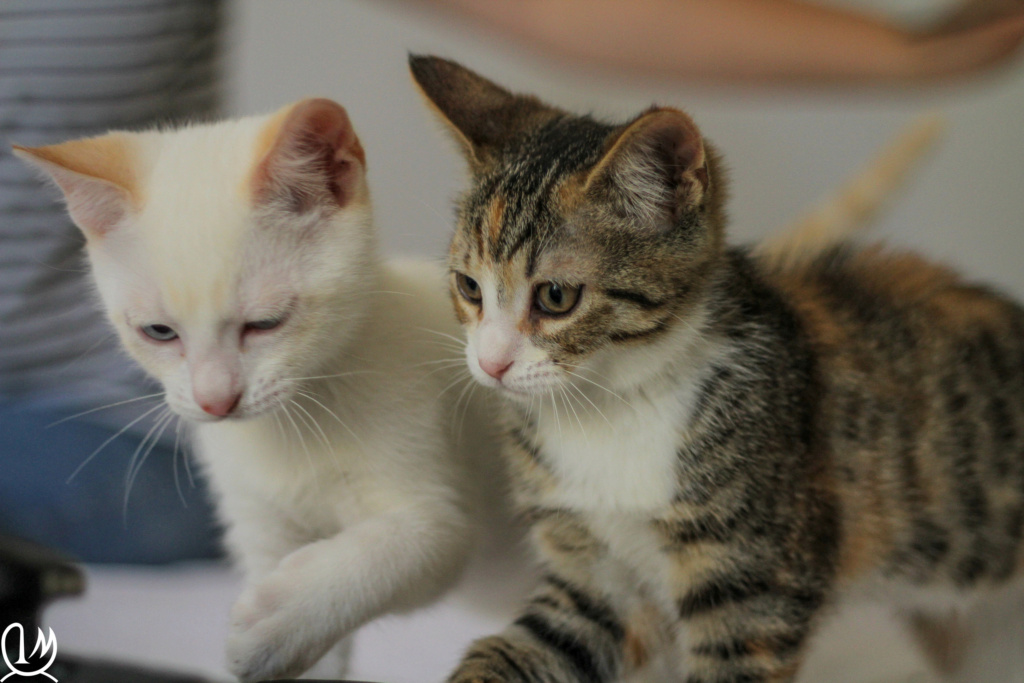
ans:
(320, 109)
(418, 62)
(324, 102)
(32, 155)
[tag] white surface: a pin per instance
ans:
(176, 618)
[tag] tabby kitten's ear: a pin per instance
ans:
(656, 172)
(312, 158)
(481, 115)
(96, 177)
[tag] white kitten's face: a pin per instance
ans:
(229, 330)
(233, 258)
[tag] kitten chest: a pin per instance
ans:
(622, 461)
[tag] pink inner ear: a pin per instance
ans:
(315, 159)
(96, 206)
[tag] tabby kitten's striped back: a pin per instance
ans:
(714, 448)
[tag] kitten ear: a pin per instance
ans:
(95, 175)
(480, 114)
(656, 171)
(309, 156)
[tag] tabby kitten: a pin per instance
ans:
(715, 448)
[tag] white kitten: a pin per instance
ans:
(238, 263)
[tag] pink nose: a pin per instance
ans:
(221, 408)
(495, 369)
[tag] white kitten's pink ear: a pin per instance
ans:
(656, 171)
(96, 177)
(310, 157)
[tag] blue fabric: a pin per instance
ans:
(167, 517)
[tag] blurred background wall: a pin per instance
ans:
(785, 148)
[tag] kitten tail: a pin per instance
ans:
(855, 206)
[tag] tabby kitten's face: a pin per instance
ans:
(581, 249)
(231, 258)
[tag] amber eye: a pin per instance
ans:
(469, 288)
(555, 299)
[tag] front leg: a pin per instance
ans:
(587, 623)
(745, 622)
(285, 622)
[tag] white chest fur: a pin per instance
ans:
(620, 460)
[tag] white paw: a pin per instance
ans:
(279, 629)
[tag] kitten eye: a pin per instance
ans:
(469, 288)
(161, 333)
(264, 325)
(556, 299)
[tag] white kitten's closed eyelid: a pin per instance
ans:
(269, 321)
(158, 333)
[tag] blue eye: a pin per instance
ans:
(264, 325)
(161, 333)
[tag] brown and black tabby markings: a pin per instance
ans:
(859, 420)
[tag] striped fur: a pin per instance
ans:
(715, 448)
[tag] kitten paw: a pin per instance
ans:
(275, 632)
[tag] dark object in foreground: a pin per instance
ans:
(30, 577)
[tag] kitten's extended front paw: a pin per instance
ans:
(276, 632)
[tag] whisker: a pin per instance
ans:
(106, 337)
(174, 465)
(445, 344)
(470, 387)
(583, 368)
(303, 419)
(340, 374)
(558, 422)
(105, 407)
(330, 412)
(599, 386)
(440, 360)
(460, 342)
(103, 445)
(388, 291)
(302, 442)
(566, 398)
(140, 455)
(454, 382)
(446, 367)
(133, 462)
(320, 431)
(187, 453)
(280, 425)
(587, 398)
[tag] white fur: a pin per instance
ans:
(338, 479)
